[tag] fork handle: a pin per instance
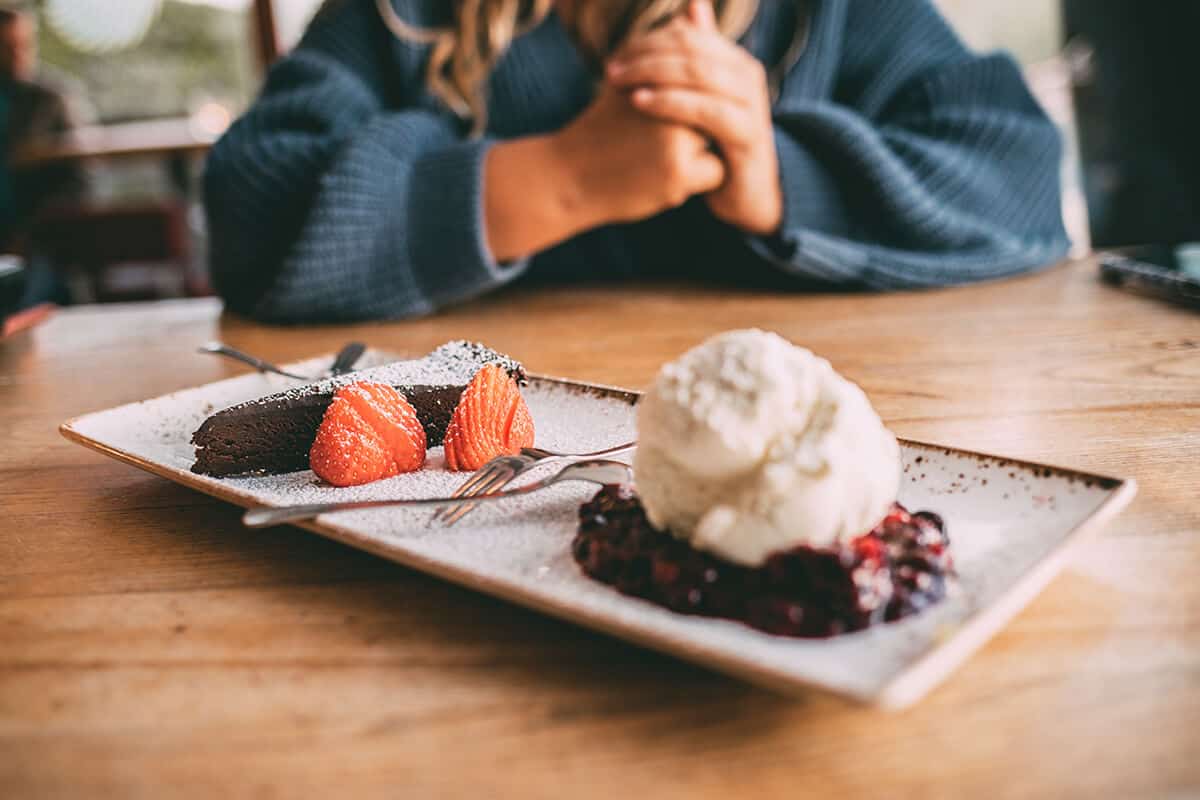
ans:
(347, 357)
(539, 453)
(266, 517)
(220, 349)
(620, 449)
(593, 471)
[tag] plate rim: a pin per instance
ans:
(900, 691)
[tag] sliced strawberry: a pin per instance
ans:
(491, 419)
(369, 432)
(520, 426)
(347, 451)
(393, 418)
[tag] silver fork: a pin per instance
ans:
(343, 362)
(502, 470)
(593, 471)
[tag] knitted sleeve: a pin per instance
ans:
(929, 166)
(324, 202)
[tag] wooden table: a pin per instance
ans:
(171, 136)
(149, 645)
(175, 140)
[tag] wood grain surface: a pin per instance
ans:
(150, 646)
(139, 139)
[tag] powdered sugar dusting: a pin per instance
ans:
(1003, 518)
(451, 364)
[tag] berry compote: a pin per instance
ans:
(897, 569)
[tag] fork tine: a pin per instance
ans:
(482, 480)
(478, 478)
(498, 481)
(481, 476)
(449, 520)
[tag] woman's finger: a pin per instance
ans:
(716, 117)
(680, 37)
(701, 14)
(679, 72)
(711, 53)
(707, 173)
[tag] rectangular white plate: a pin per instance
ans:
(1009, 522)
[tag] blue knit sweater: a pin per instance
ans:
(347, 191)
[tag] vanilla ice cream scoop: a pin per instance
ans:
(748, 445)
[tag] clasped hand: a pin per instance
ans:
(683, 112)
(690, 77)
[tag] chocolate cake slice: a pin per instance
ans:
(273, 434)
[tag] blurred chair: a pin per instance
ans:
(120, 253)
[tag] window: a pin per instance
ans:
(291, 17)
(1030, 29)
(193, 52)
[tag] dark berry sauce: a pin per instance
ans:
(897, 569)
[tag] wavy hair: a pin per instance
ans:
(463, 53)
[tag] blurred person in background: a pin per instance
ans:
(411, 154)
(32, 110)
(1139, 117)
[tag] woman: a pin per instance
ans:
(410, 154)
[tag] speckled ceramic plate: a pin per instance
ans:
(1010, 524)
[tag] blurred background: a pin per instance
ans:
(107, 108)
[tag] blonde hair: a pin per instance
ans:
(463, 54)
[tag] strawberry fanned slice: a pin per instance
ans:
(369, 432)
(491, 419)
(393, 418)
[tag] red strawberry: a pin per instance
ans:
(393, 418)
(491, 419)
(369, 432)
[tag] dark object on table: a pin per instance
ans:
(273, 434)
(1156, 270)
(898, 569)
